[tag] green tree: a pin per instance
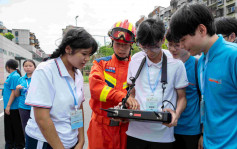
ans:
(105, 51)
(164, 45)
(9, 36)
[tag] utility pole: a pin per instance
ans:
(76, 19)
(102, 36)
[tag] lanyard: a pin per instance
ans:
(203, 73)
(27, 84)
(148, 76)
(75, 101)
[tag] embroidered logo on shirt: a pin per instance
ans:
(215, 81)
(110, 69)
(191, 84)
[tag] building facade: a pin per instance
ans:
(10, 50)
(219, 8)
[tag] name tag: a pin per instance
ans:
(151, 103)
(76, 119)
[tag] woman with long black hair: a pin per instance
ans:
(14, 136)
(56, 94)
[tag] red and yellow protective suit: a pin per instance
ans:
(108, 84)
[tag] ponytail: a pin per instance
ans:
(18, 71)
(57, 53)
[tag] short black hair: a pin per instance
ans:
(12, 64)
(170, 37)
(226, 26)
(186, 20)
(150, 32)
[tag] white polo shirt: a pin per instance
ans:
(176, 78)
(49, 89)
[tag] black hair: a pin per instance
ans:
(76, 38)
(226, 26)
(170, 37)
(150, 32)
(12, 64)
(186, 20)
(29, 60)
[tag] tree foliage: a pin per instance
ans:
(9, 36)
(164, 45)
(108, 50)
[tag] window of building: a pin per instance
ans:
(3, 51)
(231, 9)
(16, 33)
(17, 40)
(220, 2)
(11, 53)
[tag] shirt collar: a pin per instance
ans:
(150, 63)
(25, 76)
(214, 48)
(61, 67)
(12, 73)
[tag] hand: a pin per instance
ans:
(7, 110)
(80, 144)
(19, 87)
(200, 142)
(132, 104)
(174, 120)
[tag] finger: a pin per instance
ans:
(135, 104)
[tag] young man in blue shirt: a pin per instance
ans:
(228, 28)
(193, 26)
(188, 130)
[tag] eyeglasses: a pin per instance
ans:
(126, 35)
(151, 48)
(176, 46)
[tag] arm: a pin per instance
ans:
(47, 127)
(181, 105)
(81, 135)
(132, 102)
(200, 142)
(99, 88)
(11, 99)
(17, 91)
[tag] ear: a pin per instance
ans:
(68, 50)
(232, 37)
(202, 30)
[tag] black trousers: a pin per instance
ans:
(14, 136)
(134, 143)
(186, 141)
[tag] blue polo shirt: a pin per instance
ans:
(189, 121)
(9, 85)
(220, 126)
(23, 82)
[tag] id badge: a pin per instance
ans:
(151, 103)
(25, 91)
(202, 110)
(76, 119)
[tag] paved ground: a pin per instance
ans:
(87, 112)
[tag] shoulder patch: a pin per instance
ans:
(104, 59)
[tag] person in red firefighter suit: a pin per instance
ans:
(108, 84)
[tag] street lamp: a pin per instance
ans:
(76, 19)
